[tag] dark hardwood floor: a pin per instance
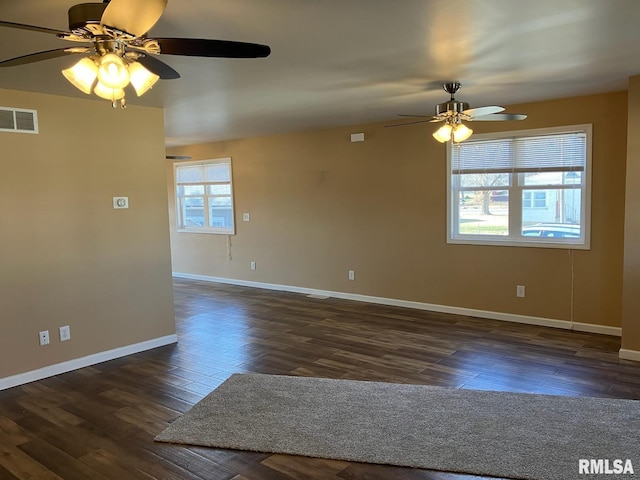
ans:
(99, 422)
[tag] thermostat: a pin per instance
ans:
(120, 202)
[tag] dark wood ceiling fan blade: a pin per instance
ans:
(407, 123)
(133, 16)
(197, 47)
(33, 28)
(36, 57)
(164, 71)
(499, 117)
(409, 115)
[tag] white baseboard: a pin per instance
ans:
(507, 317)
(82, 362)
(626, 354)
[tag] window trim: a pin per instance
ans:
(205, 229)
(540, 242)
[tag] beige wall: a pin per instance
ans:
(631, 304)
(66, 256)
(321, 205)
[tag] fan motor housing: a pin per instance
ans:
(85, 13)
(451, 106)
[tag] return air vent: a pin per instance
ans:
(18, 120)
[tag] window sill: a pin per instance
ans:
(207, 231)
(495, 242)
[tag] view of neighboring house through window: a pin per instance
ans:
(527, 188)
(204, 196)
(534, 199)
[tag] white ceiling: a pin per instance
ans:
(341, 62)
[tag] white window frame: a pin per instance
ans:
(515, 238)
(179, 213)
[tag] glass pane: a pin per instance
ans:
(484, 212)
(553, 178)
(219, 189)
(220, 215)
(193, 211)
(552, 213)
(220, 201)
(218, 172)
(485, 180)
(573, 178)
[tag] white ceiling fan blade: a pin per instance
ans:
(480, 111)
(499, 117)
(133, 16)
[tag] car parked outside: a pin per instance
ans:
(499, 196)
(552, 230)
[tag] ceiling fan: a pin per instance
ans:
(113, 35)
(454, 112)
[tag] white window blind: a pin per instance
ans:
(556, 152)
(210, 174)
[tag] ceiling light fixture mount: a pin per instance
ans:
(453, 113)
(452, 106)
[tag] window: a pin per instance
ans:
(534, 199)
(204, 196)
(523, 188)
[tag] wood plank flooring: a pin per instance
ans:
(99, 422)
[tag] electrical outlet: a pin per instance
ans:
(520, 291)
(44, 337)
(246, 217)
(65, 333)
(253, 265)
(352, 274)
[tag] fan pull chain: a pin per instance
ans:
(123, 103)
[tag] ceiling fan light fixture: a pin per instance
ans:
(453, 113)
(113, 72)
(114, 34)
(82, 75)
(443, 134)
(108, 93)
(461, 132)
(452, 130)
(141, 78)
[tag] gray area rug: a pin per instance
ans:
(512, 435)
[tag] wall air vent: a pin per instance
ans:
(18, 120)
